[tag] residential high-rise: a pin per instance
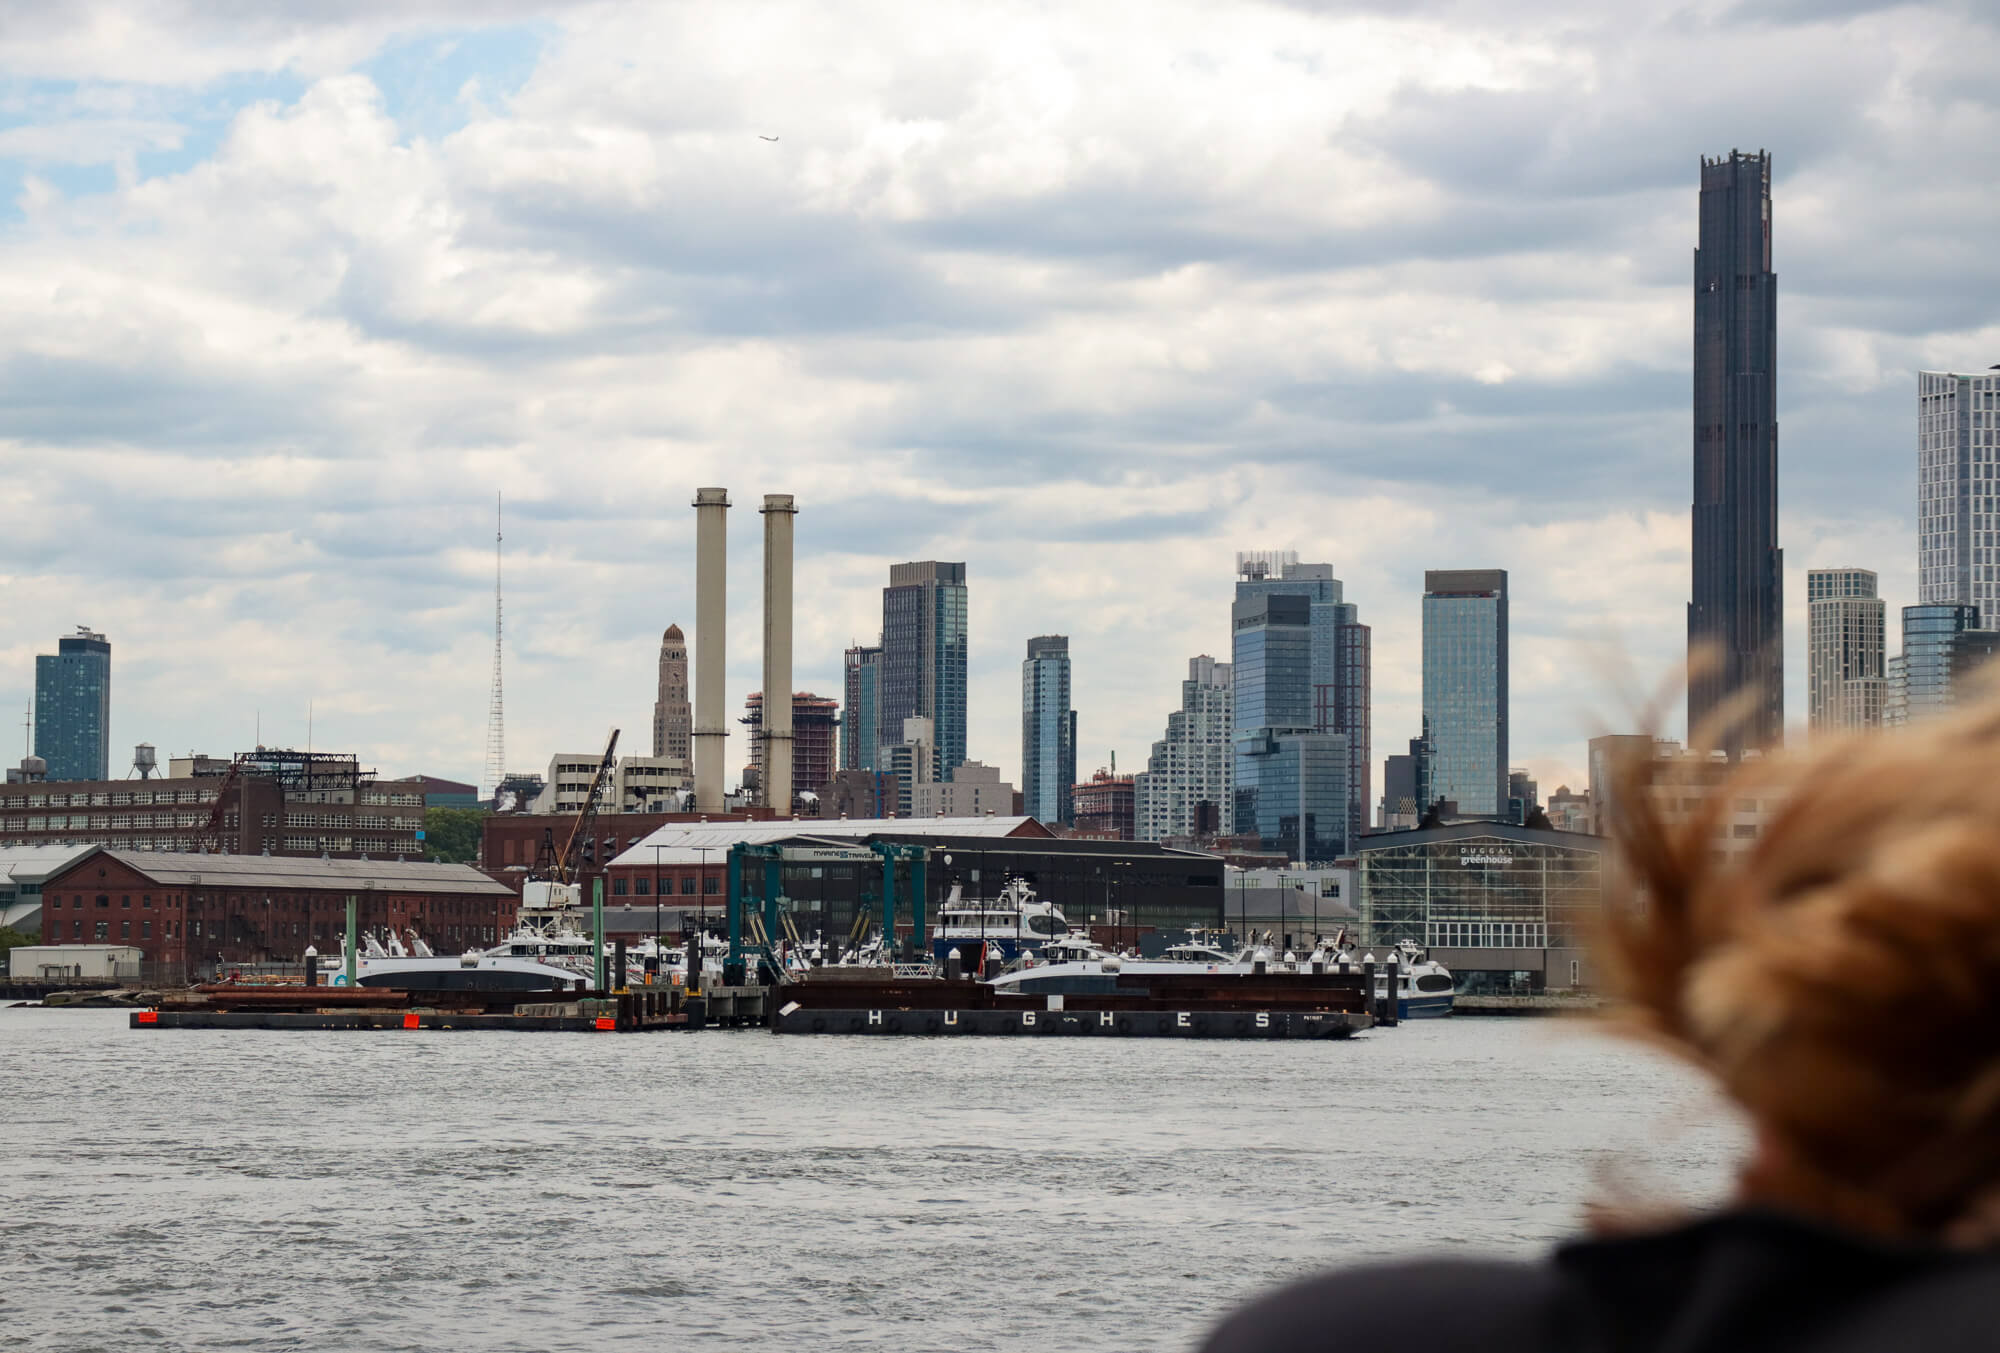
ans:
(1341, 658)
(1190, 775)
(1896, 699)
(1465, 687)
(1941, 644)
(911, 760)
(1048, 732)
(73, 707)
(924, 656)
(673, 716)
(1845, 680)
(1291, 787)
(860, 731)
(1736, 619)
(1958, 503)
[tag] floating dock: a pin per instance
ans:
(866, 1002)
(1179, 1005)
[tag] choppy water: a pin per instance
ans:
(391, 1190)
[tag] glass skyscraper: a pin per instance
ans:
(1291, 786)
(1339, 682)
(1941, 643)
(1465, 687)
(1048, 732)
(860, 734)
(924, 656)
(1736, 624)
(73, 708)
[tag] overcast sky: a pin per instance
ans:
(1089, 295)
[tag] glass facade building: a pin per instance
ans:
(860, 732)
(1465, 687)
(1048, 733)
(73, 708)
(1481, 886)
(1291, 792)
(1736, 619)
(924, 656)
(1291, 780)
(1940, 645)
(1340, 676)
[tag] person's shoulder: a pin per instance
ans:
(1442, 1304)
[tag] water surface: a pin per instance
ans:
(189, 1189)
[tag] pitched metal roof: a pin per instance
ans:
(31, 864)
(290, 871)
(685, 842)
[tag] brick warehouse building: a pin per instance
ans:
(279, 802)
(190, 914)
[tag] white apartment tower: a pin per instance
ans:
(1846, 683)
(1958, 495)
(1194, 764)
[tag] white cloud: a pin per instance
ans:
(1090, 298)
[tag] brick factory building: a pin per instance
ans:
(192, 914)
(274, 801)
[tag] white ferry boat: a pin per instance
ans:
(527, 960)
(1014, 923)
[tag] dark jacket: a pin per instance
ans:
(1749, 1281)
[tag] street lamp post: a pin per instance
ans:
(656, 903)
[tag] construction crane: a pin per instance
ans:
(566, 859)
(209, 839)
(553, 888)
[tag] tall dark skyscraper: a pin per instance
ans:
(1465, 688)
(1048, 732)
(923, 657)
(73, 707)
(1737, 614)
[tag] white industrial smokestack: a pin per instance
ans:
(777, 716)
(711, 622)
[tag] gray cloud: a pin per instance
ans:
(1088, 326)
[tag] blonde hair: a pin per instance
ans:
(1841, 978)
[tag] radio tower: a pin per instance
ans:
(496, 717)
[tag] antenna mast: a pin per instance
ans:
(496, 719)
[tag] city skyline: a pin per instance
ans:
(1479, 356)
